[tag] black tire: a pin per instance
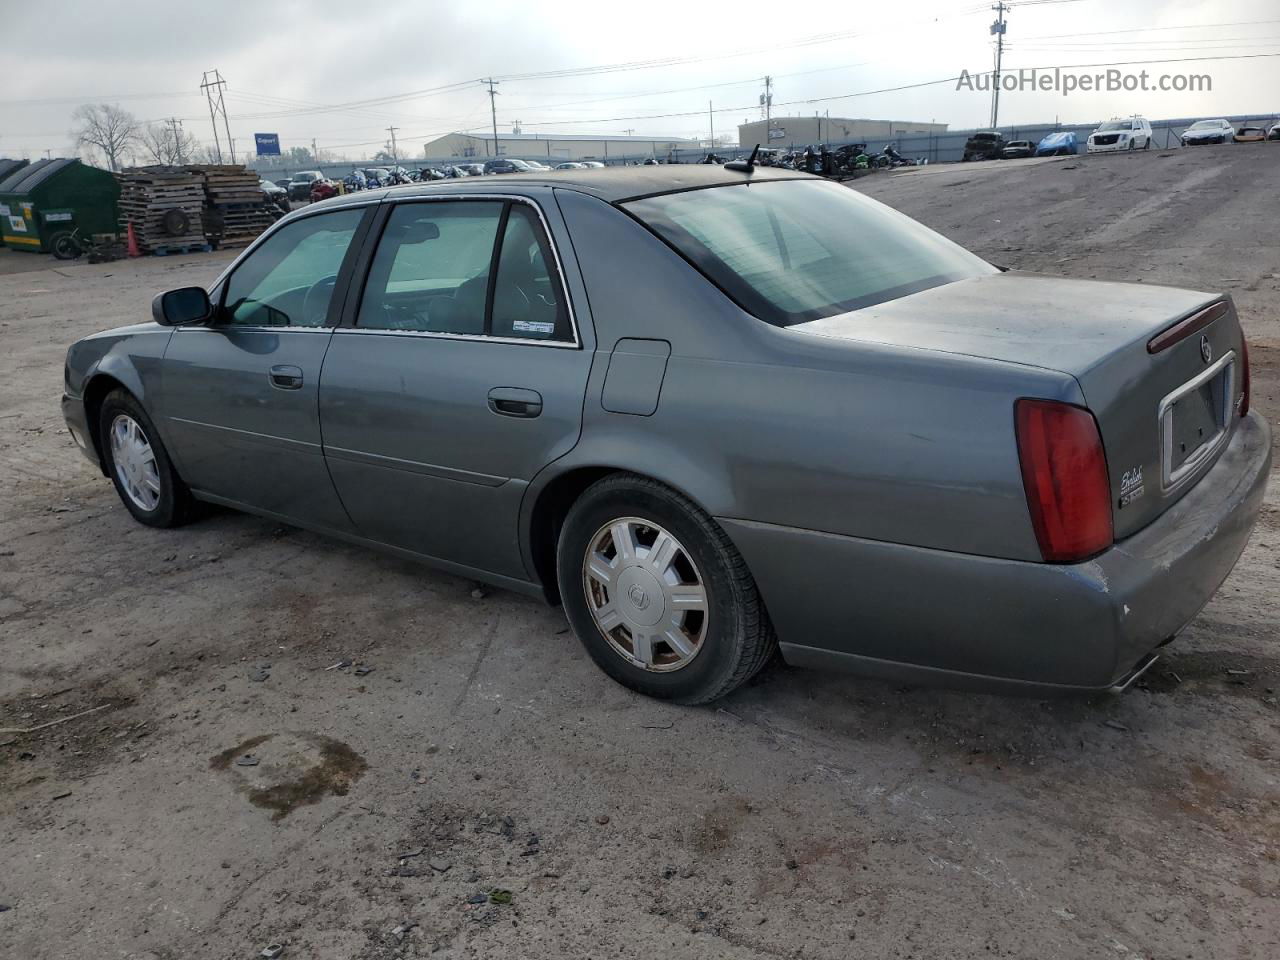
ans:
(63, 246)
(175, 505)
(739, 638)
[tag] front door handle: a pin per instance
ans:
(515, 402)
(285, 377)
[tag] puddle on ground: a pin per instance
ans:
(292, 770)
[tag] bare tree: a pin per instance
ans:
(160, 145)
(108, 128)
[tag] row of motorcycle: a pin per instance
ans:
(844, 161)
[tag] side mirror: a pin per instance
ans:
(177, 308)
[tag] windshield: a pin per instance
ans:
(1205, 124)
(1114, 126)
(799, 250)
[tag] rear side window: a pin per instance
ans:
(432, 273)
(799, 250)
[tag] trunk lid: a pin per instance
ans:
(1164, 416)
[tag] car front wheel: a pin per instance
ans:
(139, 465)
(658, 594)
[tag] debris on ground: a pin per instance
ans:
(1115, 725)
(272, 950)
(247, 760)
(362, 670)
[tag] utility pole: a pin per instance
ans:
(711, 118)
(394, 157)
(174, 124)
(997, 30)
(766, 101)
(493, 110)
(218, 106)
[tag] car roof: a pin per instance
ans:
(613, 184)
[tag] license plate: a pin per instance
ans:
(1194, 420)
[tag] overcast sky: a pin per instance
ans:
(309, 69)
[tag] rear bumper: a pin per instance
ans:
(921, 615)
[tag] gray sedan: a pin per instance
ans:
(714, 412)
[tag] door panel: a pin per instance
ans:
(236, 433)
(460, 379)
(238, 397)
(418, 456)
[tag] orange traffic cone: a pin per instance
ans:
(133, 250)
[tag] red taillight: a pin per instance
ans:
(1244, 375)
(1064, 471)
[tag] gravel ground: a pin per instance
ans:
(483, 791)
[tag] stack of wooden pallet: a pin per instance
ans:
(165, 206)
(235, 201)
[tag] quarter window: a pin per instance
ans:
(527, 303)
(288, 281)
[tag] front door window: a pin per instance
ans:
(289, 280)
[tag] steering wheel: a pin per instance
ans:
(315, 305)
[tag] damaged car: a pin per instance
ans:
(717, 412)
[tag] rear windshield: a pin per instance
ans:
(793, 251)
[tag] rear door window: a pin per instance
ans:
(431, 270)
(432, 273)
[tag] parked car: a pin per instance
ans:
(1250, 135)
(473, 169)
(1274, 132)
(323, 189)
(505, 165)
(592, 164)
(1207, 131)
(569, 165)
(300, 184)
(1018, 149)
(377, 176)
(454, 171)
(1061, 144)
(820, 424)
(1128, 133)
(985, 145)
(284, 182)
(275, 195)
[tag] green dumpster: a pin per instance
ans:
(7, 167)
(50, 197)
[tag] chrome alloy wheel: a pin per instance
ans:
(135, 462)
(646, 594)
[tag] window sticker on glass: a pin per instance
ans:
(533, 326)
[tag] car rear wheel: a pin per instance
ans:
(139, 465)
(658, 594)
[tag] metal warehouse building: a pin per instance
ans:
(552, 146)
(798, 131)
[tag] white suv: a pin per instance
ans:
(1131, 133)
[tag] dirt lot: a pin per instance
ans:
(485, 783)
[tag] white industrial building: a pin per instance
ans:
(799, 131)
(552, 146)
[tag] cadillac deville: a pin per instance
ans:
(715, 412)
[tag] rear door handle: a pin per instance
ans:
(285, 377)
(515, 402)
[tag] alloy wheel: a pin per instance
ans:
(645, 594)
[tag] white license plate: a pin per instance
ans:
(1194, 421)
